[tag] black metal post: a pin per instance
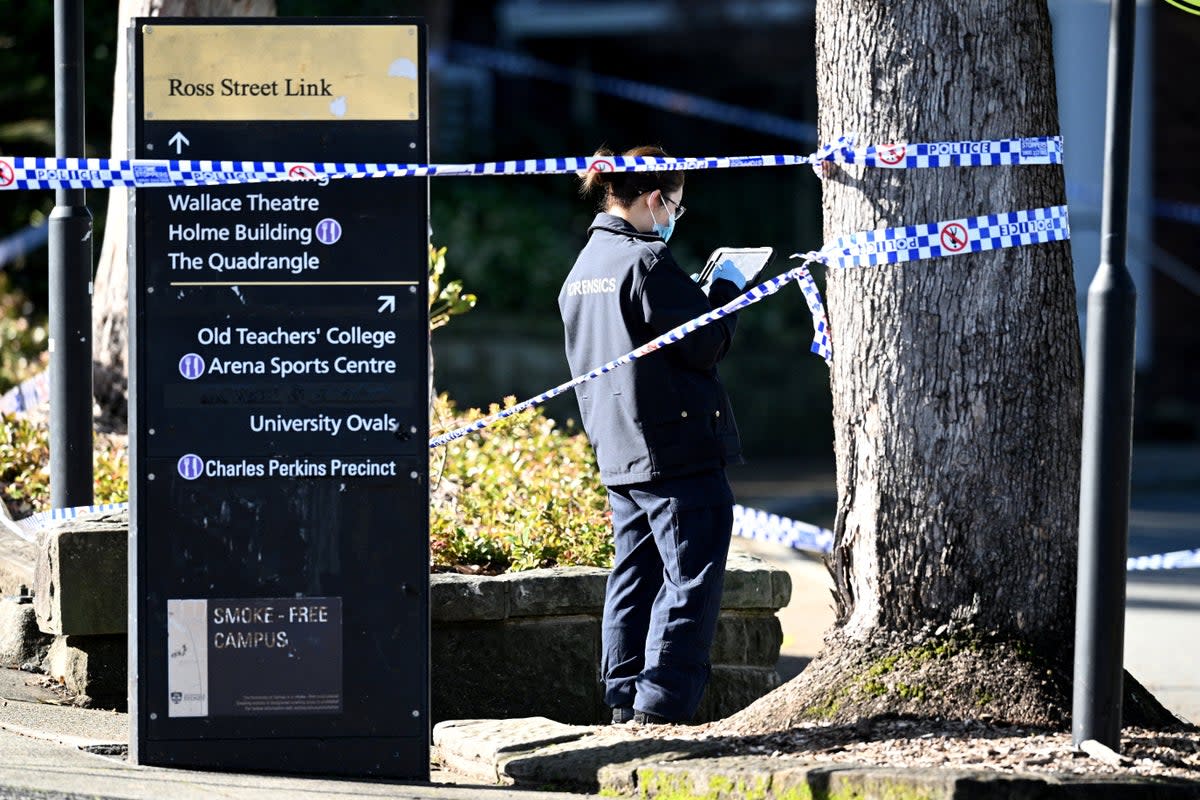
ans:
(1107, 424)
(70, 229)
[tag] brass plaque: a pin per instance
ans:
(316, 73)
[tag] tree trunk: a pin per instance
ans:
(956, 385)
(110, 301)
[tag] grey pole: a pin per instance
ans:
(1107, 425)
(70, 229)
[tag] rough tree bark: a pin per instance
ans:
(956, 387)
(110, 300)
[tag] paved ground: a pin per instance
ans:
(50, 751)
(1162, 638)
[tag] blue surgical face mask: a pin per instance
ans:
(666, 230)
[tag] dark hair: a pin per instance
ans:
(622, 188)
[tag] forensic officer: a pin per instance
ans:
(662, 431)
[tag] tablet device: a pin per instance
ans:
(747, 260)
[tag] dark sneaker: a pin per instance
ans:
(649, 718)
(620, 716)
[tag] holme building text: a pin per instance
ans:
(249, 230)
(177, 87)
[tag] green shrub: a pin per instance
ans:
(444, 301)
(22, 341)
(520, 494)
(25, 466)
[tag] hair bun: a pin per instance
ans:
(623, 187)
(593, 178)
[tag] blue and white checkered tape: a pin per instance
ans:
(764, 289)
(948, 238)
(840, 253)
(28, 527)
(985, 153)
(1179, 559)
(931, 240)
(99, 173)
(821, 344)
(748, 523)
(762, 526)
(27, 395)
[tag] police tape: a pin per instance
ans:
(894, 156)
(27, 527)
(97, 173)
(948, 238)
(748, 523)
(931, 240)
(1179, 559)
(688, 104)
(870, 248)
(764, 289)
(27, 395)
(984, 153)
(867, 249)
(20, 172)
(762, 526)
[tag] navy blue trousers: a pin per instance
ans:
(664, 592)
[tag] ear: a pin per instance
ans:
(654, 199)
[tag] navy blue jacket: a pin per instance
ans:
(666, 414)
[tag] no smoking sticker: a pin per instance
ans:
(954, 237)
(306, 172)
(890, 155)
(7, 175)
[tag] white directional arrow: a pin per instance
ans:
(389, 303)
(179, 140)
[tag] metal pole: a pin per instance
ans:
(70, 229)
(1107, 424)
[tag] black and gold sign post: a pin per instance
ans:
(279, 398)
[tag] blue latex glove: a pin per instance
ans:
(729, 272)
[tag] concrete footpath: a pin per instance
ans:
(615, 762)
(54, 751)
